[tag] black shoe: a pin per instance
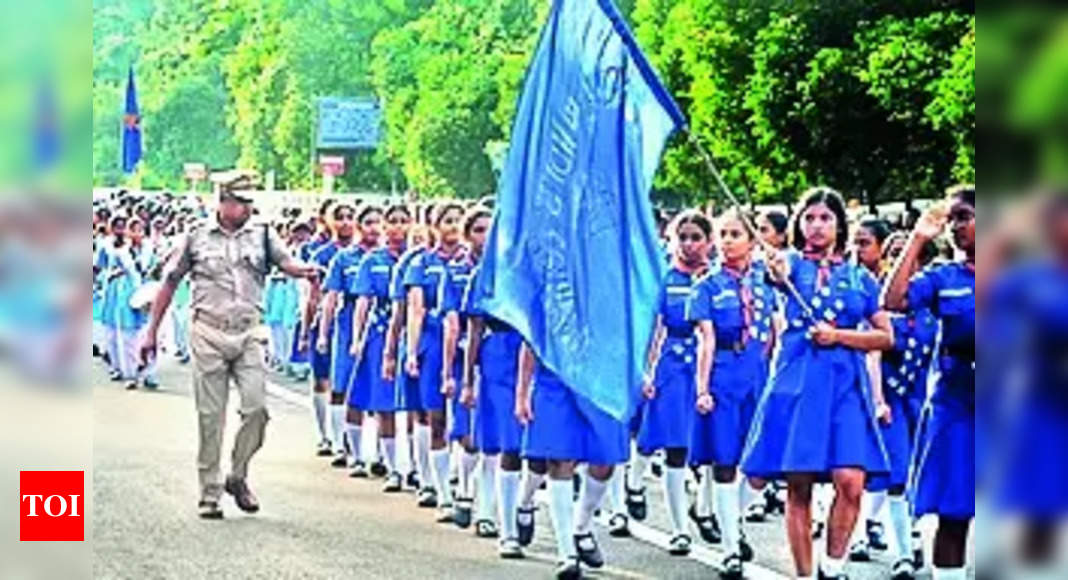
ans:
(428, 498)
(151, 385)
(859, 552)
(568, 570)
(840, 576)
(359, 470)
(745, 550)
(446, 514)
(524, 520)
(131, 386)
(324, 449)
(486, 529)
(756, 514)
(732, 568)
(588, 550)
(243, 496)
(772, 504)
(340, 460)
(378, 469)
(619, 526)
(412, 480)
(115, 376)
(876, 536)
(461, 516)
(706, 526)
(903, 570)
(637, 507)
(209, 510)
(817, 530)
(680, 545)
(393, 483)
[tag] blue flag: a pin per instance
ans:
(131, 128)
(573, 261)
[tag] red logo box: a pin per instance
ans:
(52, 506)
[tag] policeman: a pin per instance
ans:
(229, 259)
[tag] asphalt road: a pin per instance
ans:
(316, 522)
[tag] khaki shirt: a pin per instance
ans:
(228, 269)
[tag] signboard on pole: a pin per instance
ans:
(348, 123)
(332, 165)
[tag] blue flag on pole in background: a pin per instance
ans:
(131, 128)
(573, 261)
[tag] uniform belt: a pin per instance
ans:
(736, 346)
(959, 352)
(680, 333)
(232, 323)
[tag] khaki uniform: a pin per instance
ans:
(227, 338)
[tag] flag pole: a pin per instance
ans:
(787, 283)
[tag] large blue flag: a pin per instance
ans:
(573, 260)
(131, 128)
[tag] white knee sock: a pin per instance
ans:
(531, 482)
(675, 494)
(616, 494)
(354, 432)
(468, 462)
(561, 510)
(422, 454)
(705, 492)
(878, 500)
(439, 459)
(487, 479)
(337, 425)
(389, 453)
(832, 566)
(589, 498)
(319, 402)
(727, 508)
(948, 573)
(901, 524)
(508, 492)
(638, 464)
(747, 494)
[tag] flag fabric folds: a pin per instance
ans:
(573, 261)
(131, 128)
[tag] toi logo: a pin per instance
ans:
(52, 506)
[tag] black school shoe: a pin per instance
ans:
(568, 569)
(243, 496)
(209, 510)
(588, 550)
(637, 507)
(707, 526)
(525, 525)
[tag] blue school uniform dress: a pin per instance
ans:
(567, 426)
(428, 271)
(496, 428)
(1027, 344)
(943, 477)
(405, 386)
(300, 357)
(816, 413)
(904, 372)
(741, 309)
(370, 390)
(341, 278)
(666, 420)
(320, 361)
(273, 303)
(458, 273)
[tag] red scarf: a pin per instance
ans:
(824, 262)
(746, 294)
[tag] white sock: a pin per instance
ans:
(319, 402)
(948, 573)
(439, 459)
(638, 464)
(561, 510)
(371, 451)
(389, 453)
(468, 462)
(354, 432)
(747, 494)
(901, 524)
(728, 508)
(675, 494)
(705, 492)
(508, 492)
(337, 425)
(589, 498)
(487, 480)
(616, 494)
(822, 496)
(422, 454)
(832, 566)
(878, 500)
(531, 482)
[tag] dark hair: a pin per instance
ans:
(488, 201)
(444, 209)
(341, 206)
(324, 207)
(878, 227)
(473, 215)
(696, 218)
(397, 208)
(300, 225)
(115, 221)
(928, 252)
(778, 220)
(739, 214)
(366, 209)
(964, 192)
(833, 200)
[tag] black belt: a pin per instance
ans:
(965, 353)
(680, 333)
(736, 346)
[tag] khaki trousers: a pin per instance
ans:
(221, 356)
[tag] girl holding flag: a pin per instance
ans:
(816, 420)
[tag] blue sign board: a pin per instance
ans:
(349, 123)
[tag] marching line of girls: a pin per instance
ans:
(769, 366)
